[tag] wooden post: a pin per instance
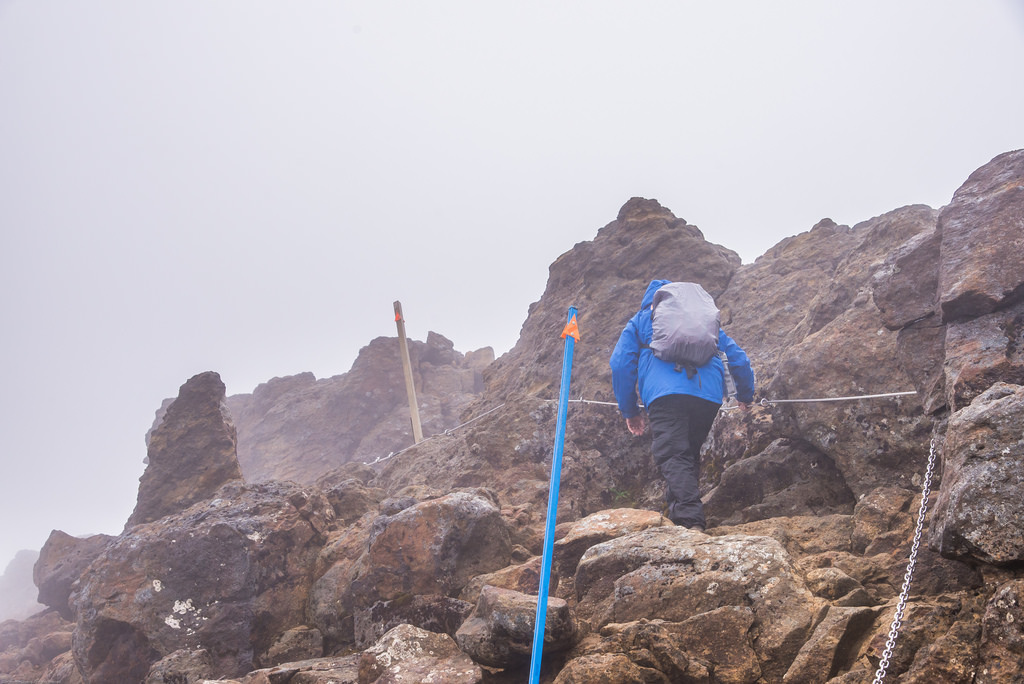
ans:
(410, 387)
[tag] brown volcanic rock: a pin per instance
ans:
(27, 645)
(906, 287)
(841, 347)
(767, 306)
(429, 549)
(605, 279)
(982, 351)
(806, 315)
(191, 453)
(856, 255)
(788, 478)
(979, 507)
(1002, 642)
(300, 428)
(873, 442)
(500, 630)
(410, 655)
(229, 575)
(810, 281)
(983, 241)
(61, 562)
(509, 451)
(673, 574)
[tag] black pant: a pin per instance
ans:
(679, 425)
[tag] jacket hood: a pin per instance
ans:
(649, 294)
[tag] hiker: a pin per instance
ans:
(682, 402)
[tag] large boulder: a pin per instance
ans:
(410, 655)
(594, 529)
(640, 651)
(434, 547)
(979, 507)
(429, 549)
(500, 630)
(673, 574)
(191, 454)
(433, 612)
(61, 562)
(805, 313)
(229, 575)
(342, 669)
(711, 647)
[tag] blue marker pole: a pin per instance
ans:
(571, 335)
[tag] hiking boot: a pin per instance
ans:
(698, 526)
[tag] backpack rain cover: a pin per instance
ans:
(685, 322)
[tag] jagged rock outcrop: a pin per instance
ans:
(230, 574)
(382, 573)
(300, 428)
(837, 345)
(982, 241)
(509, 450)
(191, 453)
(62, 561)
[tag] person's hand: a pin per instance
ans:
(637, 424)
(744, 406)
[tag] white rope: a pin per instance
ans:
(473, 420)
(446, 433)
(765, 402)
(581, 400)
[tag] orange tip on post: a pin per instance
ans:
(571, 329)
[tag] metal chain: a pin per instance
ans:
(901, 605)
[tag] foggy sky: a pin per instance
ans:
(246, 187)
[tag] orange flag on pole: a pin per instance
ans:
(571, 329)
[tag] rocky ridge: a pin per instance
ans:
(425, 565)
(300, 428)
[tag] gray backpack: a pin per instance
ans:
(685, 321)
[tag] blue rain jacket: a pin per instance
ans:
(634, 364)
